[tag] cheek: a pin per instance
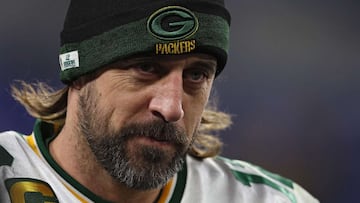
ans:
(126, 108)
(193, 111)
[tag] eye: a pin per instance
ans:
(146, 68)
(196, 75)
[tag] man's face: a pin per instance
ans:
(140, 116)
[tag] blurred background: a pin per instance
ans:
(291, 84)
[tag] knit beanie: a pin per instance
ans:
(97, 33)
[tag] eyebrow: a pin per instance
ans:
(211, 65)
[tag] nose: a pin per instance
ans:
(167, 98)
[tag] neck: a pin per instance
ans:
(72, 153)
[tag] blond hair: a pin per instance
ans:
(43, 102)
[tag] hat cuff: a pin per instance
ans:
(212, 37)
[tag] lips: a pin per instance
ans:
(161, 138)
(150, 141)
(158, 140)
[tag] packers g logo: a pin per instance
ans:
(25, 190)
(172, 23)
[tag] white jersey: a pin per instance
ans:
(28, 174)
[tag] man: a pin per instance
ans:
(131, 123)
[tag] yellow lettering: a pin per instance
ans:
(179, 47)
(158, 48)
(163, 49)
(182, 47)
(176, 48)
(171, 48)
(192, 45)
(188, 43)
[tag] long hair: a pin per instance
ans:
(43, 102)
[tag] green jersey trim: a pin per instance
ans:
(180, 185)
(44, 131)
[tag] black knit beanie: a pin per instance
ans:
(99, 32)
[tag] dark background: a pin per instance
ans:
(291, 84)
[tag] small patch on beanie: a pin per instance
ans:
(172, 23)
(69, 60)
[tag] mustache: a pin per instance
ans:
(158, 130)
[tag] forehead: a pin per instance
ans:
(194, 57)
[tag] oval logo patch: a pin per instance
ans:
(172, 23)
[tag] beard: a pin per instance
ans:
(137, 166)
